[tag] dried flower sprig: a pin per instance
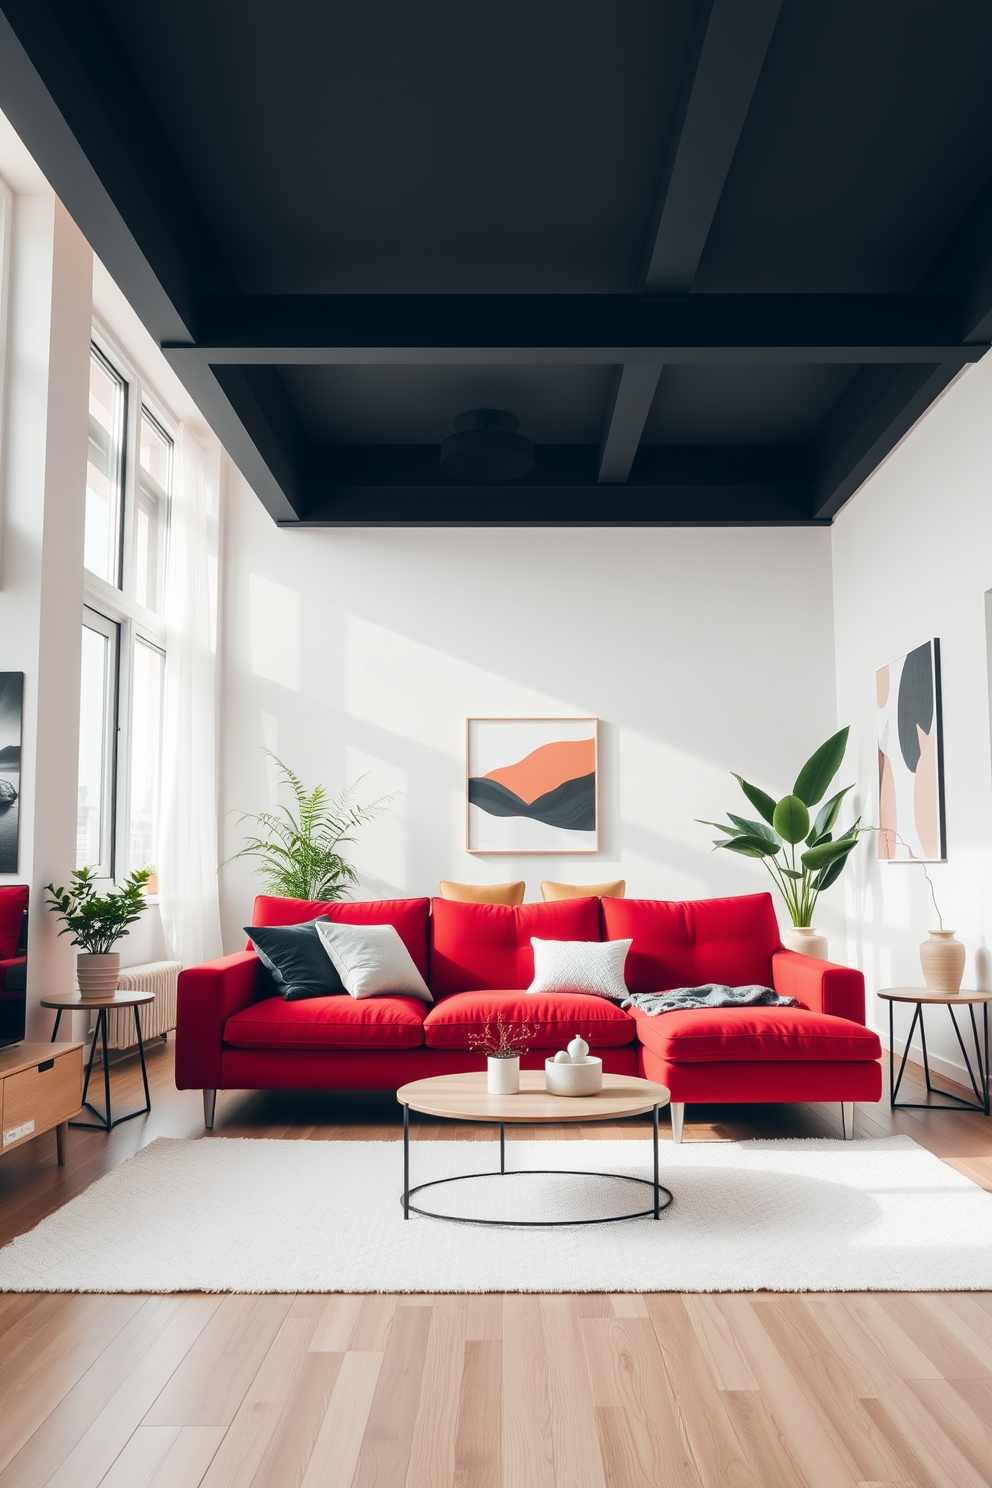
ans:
(509, 1040)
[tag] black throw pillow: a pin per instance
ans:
(297, 960)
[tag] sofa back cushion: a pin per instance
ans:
(701, 940)
(409, 916)
(482, 947)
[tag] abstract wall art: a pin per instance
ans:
(532, 785)
(910, 758)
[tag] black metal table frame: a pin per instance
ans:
(951, 1102)
(531, 1224)
(105, 1120)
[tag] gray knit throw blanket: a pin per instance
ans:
(712, 995)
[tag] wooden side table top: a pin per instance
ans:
(71, 1001)
(465, 1098)
(924, 994)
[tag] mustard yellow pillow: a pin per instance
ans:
(505, 893)
(614, 890)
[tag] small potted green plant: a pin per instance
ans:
(96, 923)
(298, 847)
(802, 855)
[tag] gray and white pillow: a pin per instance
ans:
(592, 966)
(372, 961)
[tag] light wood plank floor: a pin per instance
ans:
(495, 1391)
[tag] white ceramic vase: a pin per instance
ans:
(942, 958)
(503, 1076)
(98, 975)
(805, 939)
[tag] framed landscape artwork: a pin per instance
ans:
(910, 758)
(532, 785)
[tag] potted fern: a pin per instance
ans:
(96, 923)
(802, 854)
(297, 847)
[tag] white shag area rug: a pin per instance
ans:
(229, 1215)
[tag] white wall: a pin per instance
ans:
(701, 651)
(912, 559)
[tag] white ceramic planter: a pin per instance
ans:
(98, 975)
(578, 1077)
(942, 958)
(806, 940)
(503, 1076)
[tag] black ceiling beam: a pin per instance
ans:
(631, 396)
(69, 89)
(252, 415)
(881, 404)
(966, 260)
(418, 330)
(875, 411)
(729, 49)
(671, 485)
(583, 507)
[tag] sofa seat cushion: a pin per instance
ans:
(730, 941)
(328, 1023)
(699, 1035)
(557, 1018)
(475, 947)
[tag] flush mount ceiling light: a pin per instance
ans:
(487, 448)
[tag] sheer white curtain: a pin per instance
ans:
(188, 834)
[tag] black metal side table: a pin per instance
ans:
(978, 1072)
(73, 1003)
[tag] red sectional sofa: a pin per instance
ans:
(234, 1032)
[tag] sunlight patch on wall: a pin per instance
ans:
(424, 693)
(274, 619)
(664, 789)
(380, 852)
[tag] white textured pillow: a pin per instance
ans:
(594, 966)
(372, 960)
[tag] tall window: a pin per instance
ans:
(128, 487)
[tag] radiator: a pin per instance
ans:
(158, 1017)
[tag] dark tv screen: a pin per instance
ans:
(13, 961)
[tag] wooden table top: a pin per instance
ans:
(924, 994)
(118, 999)
(26, 1055)
(465, 1098)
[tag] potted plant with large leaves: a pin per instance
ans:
(802, 854)
(96, 923)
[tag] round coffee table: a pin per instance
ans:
(465, 1098)
(71, 1002)
(979, 1076)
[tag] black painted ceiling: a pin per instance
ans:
(716, 255)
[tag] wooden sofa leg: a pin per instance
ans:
(847, 1120)
(677, 1109)
(209, 1107)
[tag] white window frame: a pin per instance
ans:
(118, 605)
(102, 625)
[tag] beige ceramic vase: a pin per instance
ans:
(805, 939)
(98, 975)
(942, 958)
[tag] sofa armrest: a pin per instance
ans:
(207, 997)
(820, 985)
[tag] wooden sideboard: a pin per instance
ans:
(41, 1087)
